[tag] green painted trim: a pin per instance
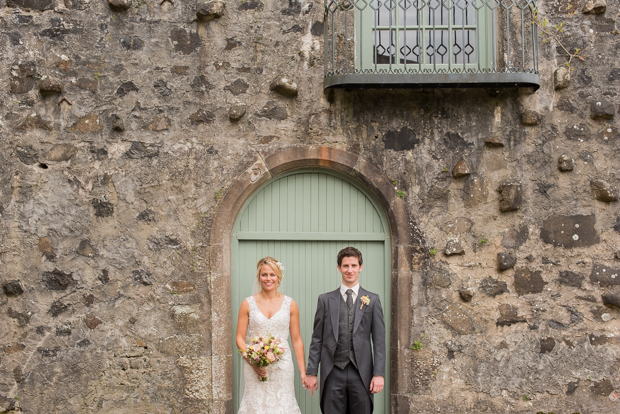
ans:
(308, 236)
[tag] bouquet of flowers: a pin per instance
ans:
(263, 351)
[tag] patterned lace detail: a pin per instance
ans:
(277, 394)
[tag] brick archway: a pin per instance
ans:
(406, 250)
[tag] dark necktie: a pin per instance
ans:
(349, 298)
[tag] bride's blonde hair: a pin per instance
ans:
(274, 264)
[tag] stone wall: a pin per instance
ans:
(123, 124)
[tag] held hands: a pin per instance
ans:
(311, 383)
(376, 385)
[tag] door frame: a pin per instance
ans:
(408, 251)
(366, 237)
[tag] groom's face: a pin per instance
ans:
(350, 269)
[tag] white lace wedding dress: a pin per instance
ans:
(277, 394)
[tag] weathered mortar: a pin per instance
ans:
(109, 185)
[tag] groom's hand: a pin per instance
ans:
(376, 385)
(312, 383)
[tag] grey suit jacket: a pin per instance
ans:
(368, 323)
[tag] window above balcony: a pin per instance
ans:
(430, 43)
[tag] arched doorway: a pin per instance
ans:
(303, 218)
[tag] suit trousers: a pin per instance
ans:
(345, 393)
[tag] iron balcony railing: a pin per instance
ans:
(430, 43)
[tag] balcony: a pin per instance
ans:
(430, 43)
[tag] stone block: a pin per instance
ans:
(458, 226)
(273, 110)
(604, 276)
(458, 319)
(604, 191)
(13, 288)
(237, 111)
(494, 142)
(441, 279)
(159, 123)
(238, 87)
(92, 321)
(184, 41)
(506, 261)
(528, 281)
(102, 208)
(569, 278)
(475, 191)
(467, 294)
(561, 78)
(197, 372)
(39, 5)
(210, 10)
(594, 7)
(61, 152)
(461, 169)
(126, 87)
(510, 196)
(181, 286)
(34, 122)
(546, 345)
(186, 315)
(57, 308)
(513, 239)
(88, 124)
(117, 123)
(184, 345)
(28, 155)
(509, 315)
(49, 86)
(454, 247)
(142, 276)
(202, 116)
(493, 287)
(22, 318)
(139, 150)
(611, 300)
(120, 4)
(57, 280)
(284, 85)
(566, 163)
(570, 231)
(531, 118)
(602, 109)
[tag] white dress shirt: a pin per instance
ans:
(343, 292)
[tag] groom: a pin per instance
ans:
(344, 323)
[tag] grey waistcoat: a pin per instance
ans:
(344, 350)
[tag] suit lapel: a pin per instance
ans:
(358, 312)
(334, 310)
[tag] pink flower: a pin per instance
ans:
(270, 356)
(244, 354)
(256, 347)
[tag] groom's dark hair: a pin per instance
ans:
(349, 252)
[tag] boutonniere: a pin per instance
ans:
(365, 301)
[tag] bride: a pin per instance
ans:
(270, 312)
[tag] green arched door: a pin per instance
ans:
(303, 218)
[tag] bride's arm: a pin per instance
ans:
(298, 343)
(242, 324)
(242, 330)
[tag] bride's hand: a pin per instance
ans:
(261, 372)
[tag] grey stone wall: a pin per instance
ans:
(121, 129)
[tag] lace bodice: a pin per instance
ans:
(277, 394)
(278, 325)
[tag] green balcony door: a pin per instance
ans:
(303, 218)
